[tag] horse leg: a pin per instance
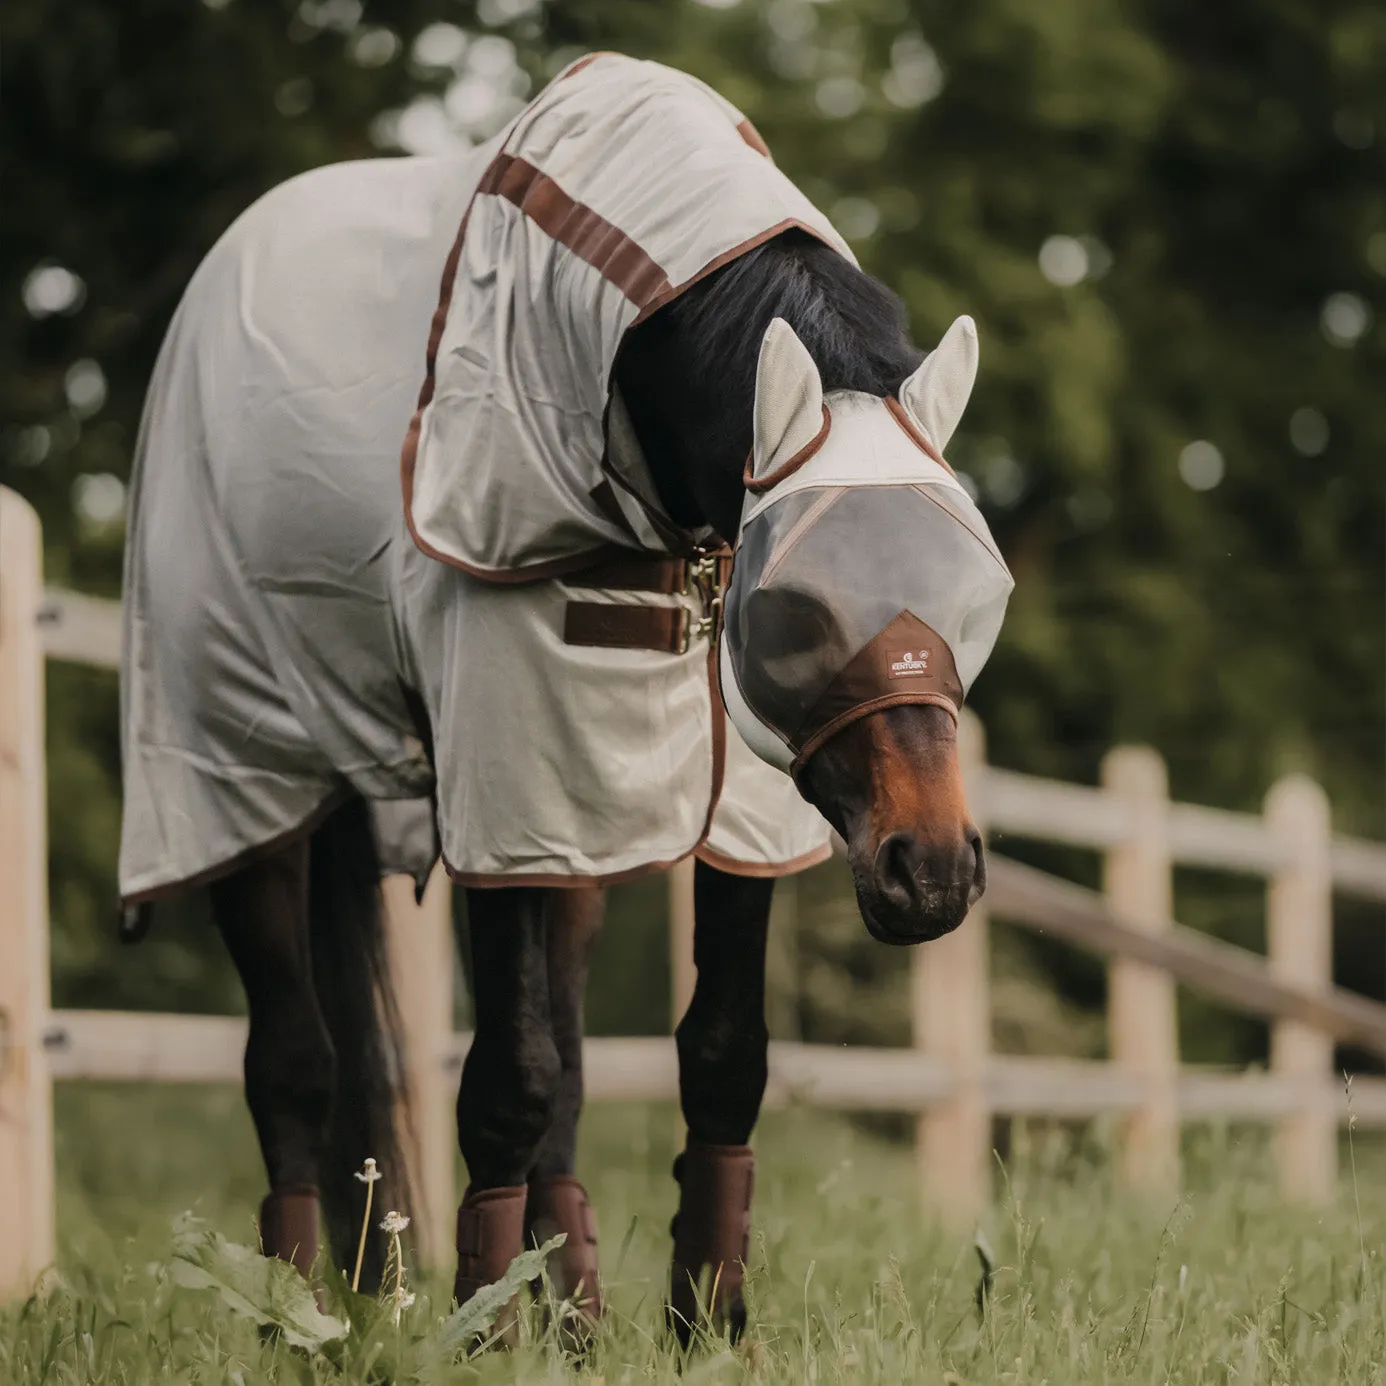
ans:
(557, 1201)
(723, 1046)
(262, 913)
(510, 1081)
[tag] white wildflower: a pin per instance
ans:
(394, 1223)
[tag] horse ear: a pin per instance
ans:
(937, 393)
(789, 399)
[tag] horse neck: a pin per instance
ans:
(694, 429)
(687, 374)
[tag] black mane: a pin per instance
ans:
(687, 374)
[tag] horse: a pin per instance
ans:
(729, 387)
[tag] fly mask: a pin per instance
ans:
(865, 577)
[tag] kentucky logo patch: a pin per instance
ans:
(903, 664)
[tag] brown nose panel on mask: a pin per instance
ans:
(906, 662)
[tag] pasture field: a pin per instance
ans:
(847, 1282)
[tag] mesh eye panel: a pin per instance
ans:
(823, 572)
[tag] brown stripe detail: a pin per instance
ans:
(661, 628)
(590, 58)
(335, 799)
(771, 870)
(916, 435)
(588, 234)
(752, 136)
(756, 486)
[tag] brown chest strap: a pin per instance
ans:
(663, 628)
(666, 629)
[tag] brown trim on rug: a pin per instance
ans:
(334, 800)
(763, 870)
(409, 452)
(914, 433)
(759, 485)
(863, 709)
(726, 257)
(480, 880)
(753, 137)
(580, 63)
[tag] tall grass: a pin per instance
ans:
(847, 1282)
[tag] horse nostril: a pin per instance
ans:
(899, 860)
(979, 865)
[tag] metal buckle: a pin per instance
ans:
(700, 575)
(701, 580)
(705, 627)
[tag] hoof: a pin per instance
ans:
(712, 1237)
(490, 1235)
(289, 1226)
(560, 1204)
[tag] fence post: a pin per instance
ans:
(1299, 940)
(26, 1090)
(1142, 1020)
(950, 990)
(421, 967)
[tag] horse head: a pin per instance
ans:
(866, 595)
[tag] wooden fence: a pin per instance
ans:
(949, 1077)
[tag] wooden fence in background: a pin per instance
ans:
(949, 1077)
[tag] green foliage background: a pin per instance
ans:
(1221, 166)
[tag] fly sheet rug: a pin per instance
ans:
(296, 628)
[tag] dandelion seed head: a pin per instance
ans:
(394, 1223)
(368, 1173)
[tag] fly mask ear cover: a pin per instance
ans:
(865, 577)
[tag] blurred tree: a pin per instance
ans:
(1168, 219)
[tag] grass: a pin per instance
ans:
(848, 1282)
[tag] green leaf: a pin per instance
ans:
(475, 1318)
(251, 1284)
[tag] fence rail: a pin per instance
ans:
(128, 1046)
(949, 1077)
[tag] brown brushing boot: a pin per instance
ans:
(559, 1204)
(490, 1235)
(289, 1226)
(712, 1237)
